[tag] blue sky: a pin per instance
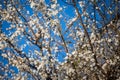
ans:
(69, 11)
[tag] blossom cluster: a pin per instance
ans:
(40, 32)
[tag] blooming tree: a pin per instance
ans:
(60, 39)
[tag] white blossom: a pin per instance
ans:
(53, 6)
(81, 3)
(65, 42)
(4, 55)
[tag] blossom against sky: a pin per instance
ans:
(37, 35)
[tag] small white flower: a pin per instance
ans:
(53, 6)
(55, 12)
(97, 7)
(87, 59)
(92, 60)
(37, 34)
(4, 55)
(110, 12)
(32, 4)
(36, 52)
(66, 57)
(109, 40)
(81, 3)
(71, 70)
(2, 46)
